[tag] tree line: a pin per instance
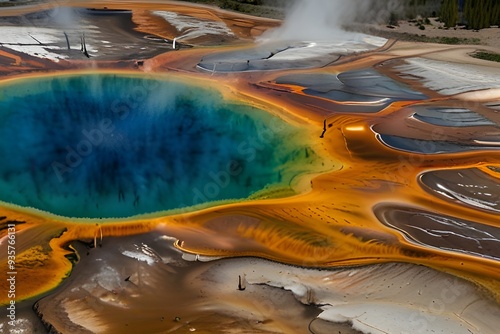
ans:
(477, 14)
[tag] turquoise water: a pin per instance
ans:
(101, 146)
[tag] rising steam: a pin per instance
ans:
(323, 20)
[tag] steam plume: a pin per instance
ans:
(322, 20)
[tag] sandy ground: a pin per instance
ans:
(489, 37)
(488, 40)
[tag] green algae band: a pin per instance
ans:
(102, 146)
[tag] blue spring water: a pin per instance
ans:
(107, 145)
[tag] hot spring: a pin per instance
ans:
(114, 146)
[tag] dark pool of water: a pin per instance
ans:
(442, 232)
(470, 187)
(414, 145)
(450, 117)
(369, 87)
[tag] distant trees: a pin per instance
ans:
(253, 2)
(482, 14)
(478, 14)
(449, 13)
(495, 13)
(475, 14)
(235, 4)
